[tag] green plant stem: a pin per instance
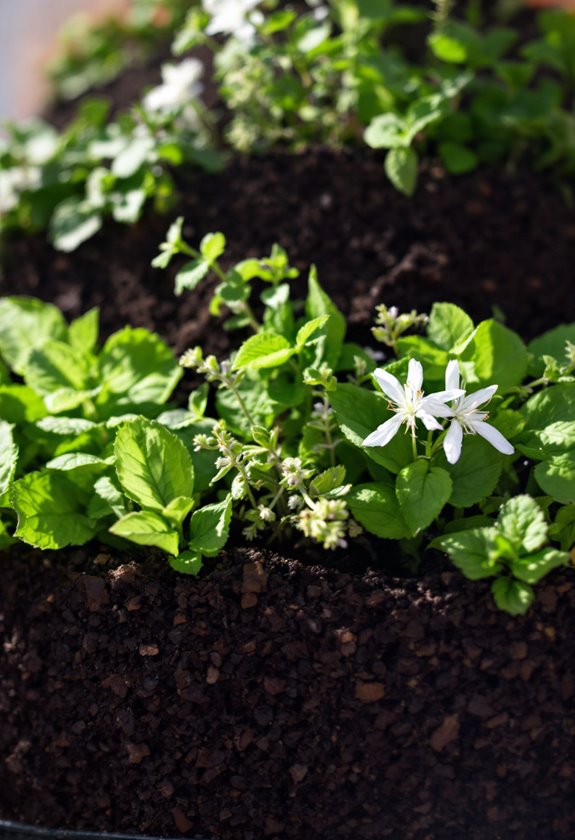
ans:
(242, 404)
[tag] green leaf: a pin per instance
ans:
(51, 511)
(178, 509)
(433, 358)
(512, 596)
(57, 366)
(308, 329)
(148, 528)
(153, 465)
(563, 528)
(386, 131)
(66, 426)
(20, 404)
(188, 563)
(552, 405)
(253, 392)
(449, 326)
(328, 481)
(212, 246)
(264, 350)
(318, 303)
(552, 343)
(531, 569)
(209, 527)
(457, 158)
(447, 48)
(190, 276)
(83, 332)
(73, 222)
(358, 412)
(8, 456)
(556, 477)
(74, 460)
(476, 473)
(401, 169)
(375, 506)
(136, 367)
(108, 499)
(522, 521)
(473, 551)
(26, 324)
(422, 493)
(498, 354)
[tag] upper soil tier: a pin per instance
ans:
(483, 241)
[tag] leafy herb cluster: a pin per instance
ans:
(280, 440)
(337, 74)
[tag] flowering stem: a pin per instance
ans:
(414, 447)
(243, 406)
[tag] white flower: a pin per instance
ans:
(15, 181)
(232, 17)
(180, 85)
(467, 419)
(409, 404)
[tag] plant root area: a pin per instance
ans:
(272, 699)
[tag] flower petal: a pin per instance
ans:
(390, 386)
(452, 442)
(493, 436)
(415, 375)
(452, 378)
(428, 420)
(384, 433)
(471, 401)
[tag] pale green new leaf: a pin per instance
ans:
(531, 569)
(153, 465)
(449, 326)
(209, 527)
(318, 303)
(56, 366)
(401, 169)
(522, 521)
(308, 329)
(83, 332)
(512, 596)
(264, 350)
(473, 551)
(146, 527)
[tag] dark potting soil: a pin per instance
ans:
(271, 699)
(483, 241)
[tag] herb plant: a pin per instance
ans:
(335, 74)
(462, 441)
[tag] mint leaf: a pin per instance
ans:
(552, 405)
(8, 456)
(401, 169)
(188, 563)
(422, 493)
(512, 596)
(449, 326)
(146, 527)
(153, 465)
(74, 221)
(51, 511)
(212, 246)
(20, 404)
(358, 412)
(476, 473)
(531, 569)
(83, 332)
(308, 329)
(209, 527)
(57, 366)
(328, 481)
(25, 324)
(522, 521)
(136, 367)
(264, 350)
(177, 510)
(318, 303)
(190, 275)
(107, 500)
(556, 477)
(386, 131)
(552, 343)
(473, 551)
(375, 506)
(498, 354)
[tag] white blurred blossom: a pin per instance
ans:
(180, 86)
(233, 17)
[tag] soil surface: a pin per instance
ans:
(483, 241)
(270, 699)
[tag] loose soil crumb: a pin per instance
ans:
(332, 706)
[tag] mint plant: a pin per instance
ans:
(463, 441)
